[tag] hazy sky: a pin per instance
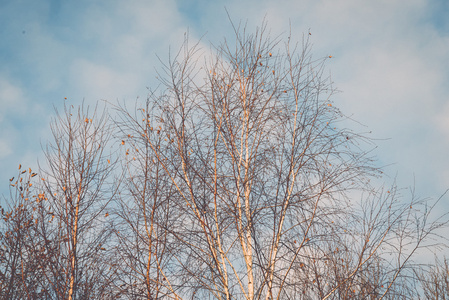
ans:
(390, 60)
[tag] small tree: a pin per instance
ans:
(77, 189)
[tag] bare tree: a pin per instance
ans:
(77, 189)
(255, 163)
(55, 232)
(147, 211)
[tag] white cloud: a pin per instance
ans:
(5, 149)
(98, 81)
(11, 99)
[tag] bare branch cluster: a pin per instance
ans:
(238, 179)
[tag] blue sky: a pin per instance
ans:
(390, 60)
